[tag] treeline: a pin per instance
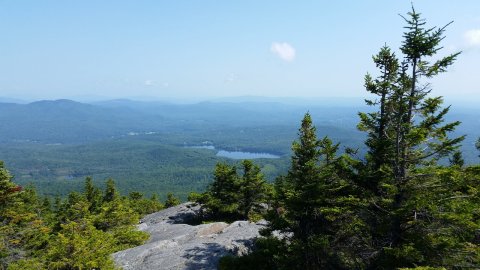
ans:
(78, 232)
(397, 207)
(134, 163)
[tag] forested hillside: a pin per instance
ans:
(55, 144)
(78, 232)
(144, 145)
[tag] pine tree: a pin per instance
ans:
(33, 236)
(8, 189)
(318, 203)
(406, 138)
(376, 123)
(457, 159)
(93, 195)
(420, 141)
(21, 226)
(253, 189)
(78, 245)
(477, 144)
(396, 209)
(222, 197)
(144, 206)
(171, 200)
(232, 196)
(302, 181)
(111, 192)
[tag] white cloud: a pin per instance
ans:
(283, 50)
(230, 78)
(473, 37)
(149, 82)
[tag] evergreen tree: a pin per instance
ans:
(71, 236)
(253, 189)
(76, 207)
(377, 123)
(457, 159)
(171, 200)
(395, 209)
(111, 192)
(477, 144)
(78, 245)
(222, 196)
(318, 203)
(302, 182)
(135, 195)
(406, 137)
(232, 196)
(92, 194)
(144, 206)
(8, 189)
(21, 226)
(421, 141)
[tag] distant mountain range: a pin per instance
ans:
(67, 121)
(70, 122)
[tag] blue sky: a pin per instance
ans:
(204, 49)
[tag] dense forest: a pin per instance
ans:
(154, 153)
(408, 201)
(78, 232)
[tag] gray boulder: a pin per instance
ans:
(174, 244)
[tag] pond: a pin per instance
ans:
(235, 154)
(244, 155)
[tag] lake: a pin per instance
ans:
(235, 154)
(244, 155)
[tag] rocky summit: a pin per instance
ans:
(176, 244)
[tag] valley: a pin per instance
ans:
(156, 147)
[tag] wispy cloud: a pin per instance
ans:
(149, 82)
(472, 37)
(284, 50)
(230, 78)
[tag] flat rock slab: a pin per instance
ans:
(173, 244)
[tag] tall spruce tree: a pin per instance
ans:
(222, 197)
(253, 188)
(316, 205)
(406, 138)
(111, 192)
(420, 141)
